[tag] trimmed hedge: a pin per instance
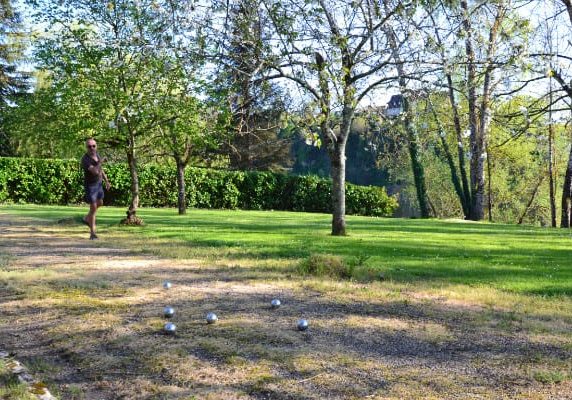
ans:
(41, 181)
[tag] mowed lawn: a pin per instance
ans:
(433, 309)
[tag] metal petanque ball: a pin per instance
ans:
(170, 328)
(167, 285)
(302, 325)
(275, 303)
(168, 312)
(211, 318)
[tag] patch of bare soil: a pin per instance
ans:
(85, 317)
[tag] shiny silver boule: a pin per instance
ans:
(168, 312)
(167, 285)
(275, 303)
(302, 324)
(211, 318)
(170, 328)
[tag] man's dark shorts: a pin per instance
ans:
(93, 192)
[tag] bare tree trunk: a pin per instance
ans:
(181, 198)
(551, 171)
(479, 117)
(338, 172)
(566, 220)
(477, 192)
(490, 191)
(478, 184)
(551, 160)
(336, 144)
(132, 218)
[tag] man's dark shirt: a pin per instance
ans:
(90, 178)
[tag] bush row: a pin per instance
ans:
(40, 181)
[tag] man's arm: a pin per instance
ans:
(107, 184)
(102, 172)
(95, 169)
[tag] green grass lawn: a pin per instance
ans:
(433, 309)
(433, 253)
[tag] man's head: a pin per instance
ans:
(91, 146)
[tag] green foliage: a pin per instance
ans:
(311, 194)
(40, 181)
(369, 200)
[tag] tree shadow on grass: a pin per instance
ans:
(345, 339)
(508, 268)
(353, 349)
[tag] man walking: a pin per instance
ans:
(93, 177)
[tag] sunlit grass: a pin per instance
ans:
(431, 253)
(10, 386)
(426, 283)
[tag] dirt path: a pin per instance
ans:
(85, 317)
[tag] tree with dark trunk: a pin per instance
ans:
(459, 177)
(13, 82)
(558, 74)
(408, 125)
(490, 52)
(566, 219)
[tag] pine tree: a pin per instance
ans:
(256, 104)
(12, 81)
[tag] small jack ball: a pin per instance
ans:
(211, 318)
(170, 328)
(168, 312)
(275, 303)
(167, 285)
(302, 325)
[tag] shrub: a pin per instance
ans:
(41, 181)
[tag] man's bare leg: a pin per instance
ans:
(90, 217)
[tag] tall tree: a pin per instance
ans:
(187, 127)
(13, 82)
(558, 72)
(494, 38)
(553, 61)
(458, 172)
(257, 106)
(337, 52)
(412, 135)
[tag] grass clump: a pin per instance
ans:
(549, 377)
(329, 265)
(326, 265)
